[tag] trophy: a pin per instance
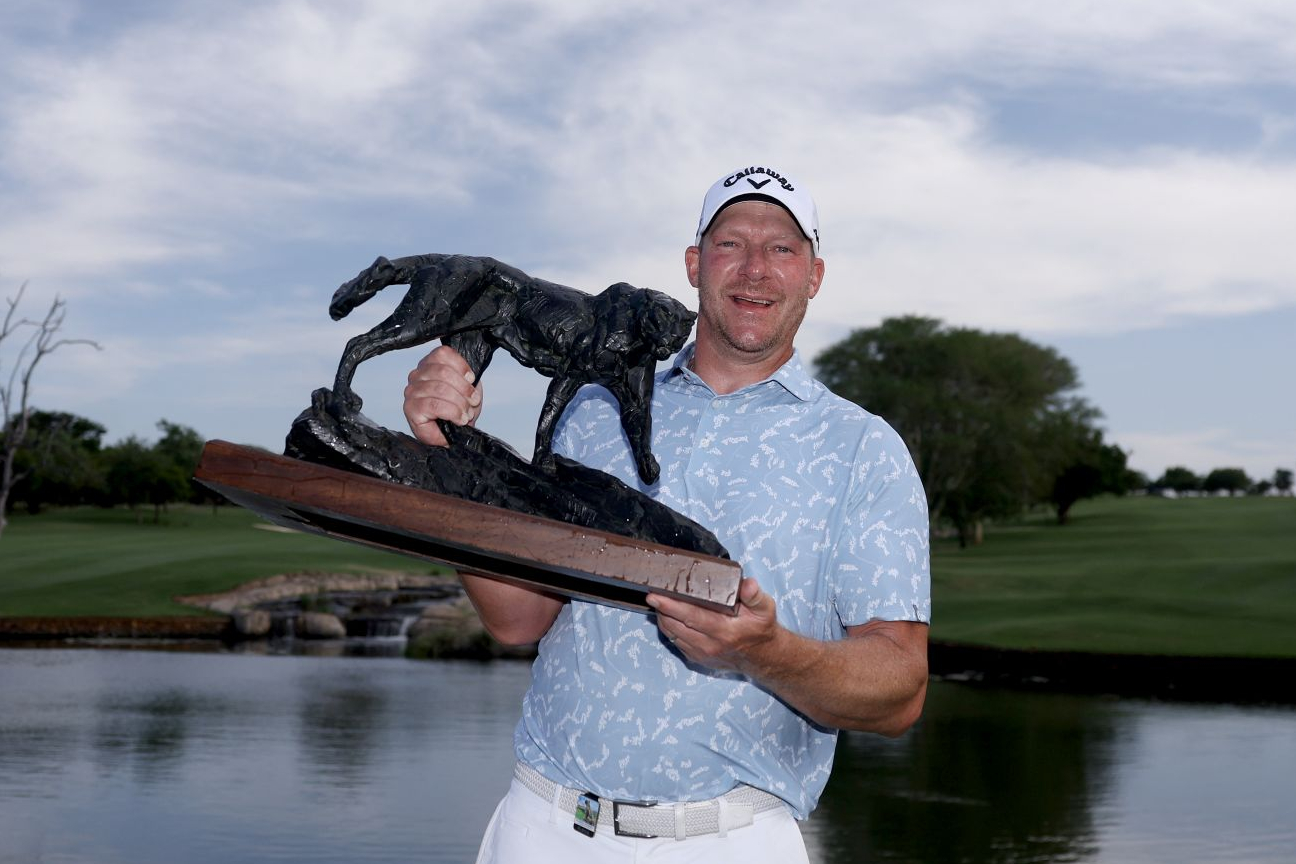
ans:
(476, 505)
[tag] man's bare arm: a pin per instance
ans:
(442, 387)
(512, 614)
(874, 680)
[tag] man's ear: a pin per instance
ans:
(817, 278)
(692, 255)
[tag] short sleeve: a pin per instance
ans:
(881, 561)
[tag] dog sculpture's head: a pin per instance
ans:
(664, 323)
(366, 284)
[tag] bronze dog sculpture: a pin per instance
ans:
(477, 305)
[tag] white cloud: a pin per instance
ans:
(930, 218)
(149, 148)
(177, 138)
(985, 238)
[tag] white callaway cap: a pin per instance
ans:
(761, 184)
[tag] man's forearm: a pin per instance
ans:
(874, 680)
(512, 614)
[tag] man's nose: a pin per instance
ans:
(753, 266)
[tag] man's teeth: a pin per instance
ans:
(757, 302)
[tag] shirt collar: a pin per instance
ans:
(791, 376)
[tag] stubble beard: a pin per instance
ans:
(744, 342)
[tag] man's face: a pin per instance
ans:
(755, 273)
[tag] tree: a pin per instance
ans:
(1282, 480)
(182, 447)
(59, 462)
(138, 474)
(1230, 480)
(1087, 465)
(1179, 479)
(969, 405)
(15, 392)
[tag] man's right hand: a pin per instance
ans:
(441, 387)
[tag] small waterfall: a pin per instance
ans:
(372, 626)
(374, 621)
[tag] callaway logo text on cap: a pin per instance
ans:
(761, 184)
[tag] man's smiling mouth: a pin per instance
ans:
(754, 300)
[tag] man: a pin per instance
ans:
(724, 726)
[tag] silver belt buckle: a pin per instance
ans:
(616, 819)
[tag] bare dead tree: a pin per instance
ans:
(15, 393)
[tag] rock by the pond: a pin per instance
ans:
(320, 625)
(251, 623)
(292, 585)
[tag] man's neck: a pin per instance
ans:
(730, 372)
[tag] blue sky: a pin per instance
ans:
(1117, 180)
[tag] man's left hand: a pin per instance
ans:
(874, 679)
(717, 640)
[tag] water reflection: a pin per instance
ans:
(109, 756)
(147, 733)
(340, 719)
(986, 776)
(1210, 783)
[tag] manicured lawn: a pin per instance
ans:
(1203, 576)
(90, 561)
(1145, 575)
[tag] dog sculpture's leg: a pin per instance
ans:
(473, 347)
(413, 322)
(437, 284)
(635, 396)
(387, 336)
(561, 391)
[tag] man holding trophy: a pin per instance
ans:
(684, 733)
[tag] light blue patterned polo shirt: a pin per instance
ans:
(817, 499)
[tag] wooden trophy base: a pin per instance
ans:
(475, 538)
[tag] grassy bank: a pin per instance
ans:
(1212, 577)
(89, 561)
(1202, 576)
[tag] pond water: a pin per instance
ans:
(113, 756)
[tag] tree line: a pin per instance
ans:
(987, 418)
(992, 422)
(64, 463)
(1231, 481)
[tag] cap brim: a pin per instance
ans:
(754, 196)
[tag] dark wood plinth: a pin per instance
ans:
(472, 537)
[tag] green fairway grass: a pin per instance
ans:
(1202, 576)
(89, 561)
(1194, 576)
